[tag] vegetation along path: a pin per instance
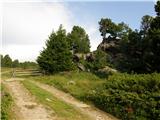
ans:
(92, 112)
(27, 107)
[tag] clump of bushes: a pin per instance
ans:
(129, 97)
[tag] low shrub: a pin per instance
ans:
(129, 97)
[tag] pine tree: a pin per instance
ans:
(153, 58)
(79, 40)
(56, 57)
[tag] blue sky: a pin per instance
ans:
(129, 12)
(27, 25)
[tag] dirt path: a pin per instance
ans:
(26, 104)
(93, 112)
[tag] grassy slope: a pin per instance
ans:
(124, 91)
(63, 110)
(75, 83)
(7, 102)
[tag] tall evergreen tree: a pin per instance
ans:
(145, 24)
(56, 57)
(79, 40)
(153, 58)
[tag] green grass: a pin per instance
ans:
(4, 69)
(63, 110)
(127, 96)
(6, 104)
(6, 73)
(75, 83)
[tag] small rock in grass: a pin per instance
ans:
(48, 99)
(71, 82)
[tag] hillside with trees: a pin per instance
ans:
(8, 62)
(121, 77)
(135, 52)
(127, 50)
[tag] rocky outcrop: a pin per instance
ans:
(109, 45)
(88, 57)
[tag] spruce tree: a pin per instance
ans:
(56, 57)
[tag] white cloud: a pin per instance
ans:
(23, 52)
(26, 26)
(31, 23)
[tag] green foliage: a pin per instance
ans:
(133, 53)
(28, 65)
(79, 40)
(137, 51)
(56, 56)
(6, 61)
(77, 84)
(153, 58)
(145, 24)
(100, 60)
(15, 63)
(131, 97)
(111, 28)
(1, 60)
(6, 103)
(157, 8)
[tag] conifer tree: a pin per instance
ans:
(79, 40)
(56, 57)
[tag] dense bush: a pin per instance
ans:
(129, 97)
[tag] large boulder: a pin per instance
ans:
(110, 45)
(87, 57)
(77, 57)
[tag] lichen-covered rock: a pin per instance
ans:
(107, 69)
(109, 45)
(81, 67)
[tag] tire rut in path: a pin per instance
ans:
(93, 112)
(26, 104)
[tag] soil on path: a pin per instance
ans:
(26, 105)
(91, 111)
